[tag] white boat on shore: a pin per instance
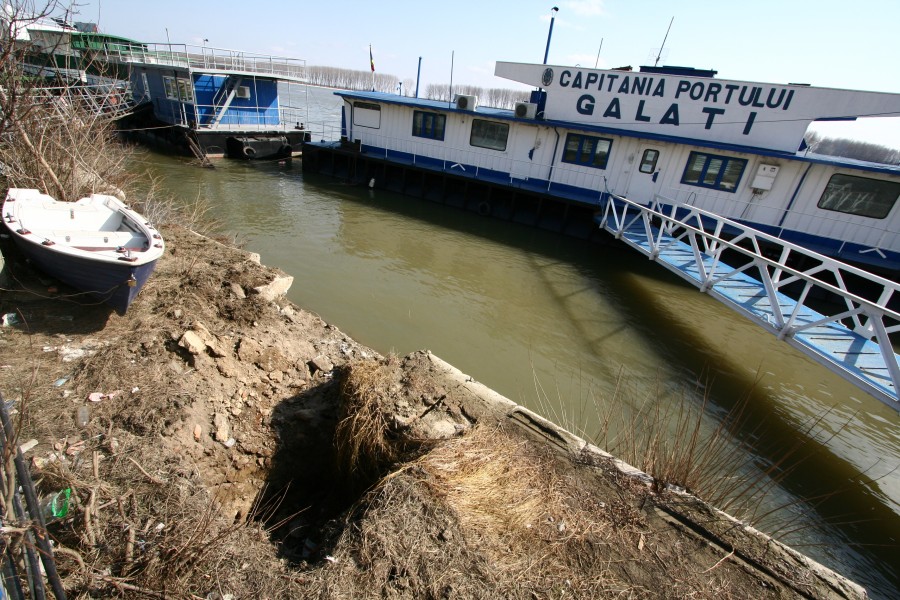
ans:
(96, 245)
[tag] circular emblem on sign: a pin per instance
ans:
(547, 77)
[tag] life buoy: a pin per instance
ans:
(484, 209)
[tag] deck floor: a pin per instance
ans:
(835, 346)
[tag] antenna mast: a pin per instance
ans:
(658, 56)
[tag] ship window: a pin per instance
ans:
(648, 161)
(185, 91)
(715, 172)
(489, 134)
(367, 114)
(429, 125)
(178, 89)
(171, 90)
(587, 150)
(860, 196)
(146, 85)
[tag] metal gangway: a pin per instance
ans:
(848, 333)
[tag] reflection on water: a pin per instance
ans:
(559, 324)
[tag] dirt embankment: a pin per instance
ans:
(236, 446)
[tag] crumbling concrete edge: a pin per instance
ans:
(502, 407)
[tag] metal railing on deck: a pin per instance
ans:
(208, 58)
(850, 333)
(108, 101)
(259, 118)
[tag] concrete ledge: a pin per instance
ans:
(769, 558)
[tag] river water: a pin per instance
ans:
(581, 332)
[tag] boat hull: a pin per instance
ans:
(116, 286)
(97, 245)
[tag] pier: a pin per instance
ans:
(810, 306)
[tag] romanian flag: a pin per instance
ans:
(371, 60)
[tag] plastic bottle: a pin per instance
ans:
(56, 506)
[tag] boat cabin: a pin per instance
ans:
(232, 103)
(677, 136)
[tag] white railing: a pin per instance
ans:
(208, 58)
(473, 161)
(107, 101)
(663, 224)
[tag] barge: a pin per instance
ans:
(213, 102)
(671, 136)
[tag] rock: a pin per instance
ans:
(249, 350)
(198, 432)
(28, 445)
(277, 287)
(223, 427)
(202, 331)
(213, 345)
(192, 342)
(271, 359)
(238, 291)
(322, 363)
(227, 367)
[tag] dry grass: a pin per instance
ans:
(485, 515)
(367, 439)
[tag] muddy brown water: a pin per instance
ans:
(574, 330)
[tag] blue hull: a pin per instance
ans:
(115, 285)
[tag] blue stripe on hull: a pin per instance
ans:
(106, 282)
(532, 184)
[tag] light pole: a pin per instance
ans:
(553, 12)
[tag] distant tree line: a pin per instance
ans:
(351, 79)
(852, 149)
(495, 97)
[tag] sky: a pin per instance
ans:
(825, 43)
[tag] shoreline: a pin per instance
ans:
(235, 393)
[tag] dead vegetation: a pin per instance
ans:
(55, 136)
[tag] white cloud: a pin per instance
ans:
(585, 8)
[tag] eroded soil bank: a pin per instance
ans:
(237, 446)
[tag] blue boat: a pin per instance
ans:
(96, 245)
(668, 136)
(213, 102)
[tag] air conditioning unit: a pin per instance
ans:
(243, 91)
(765, 177)
(464, 102)
(526, 110)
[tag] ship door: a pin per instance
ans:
(643, 184)
(523, 144)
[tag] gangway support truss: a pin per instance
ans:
(852, 336)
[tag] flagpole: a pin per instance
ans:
(372, 64)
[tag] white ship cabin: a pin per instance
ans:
(671, 134)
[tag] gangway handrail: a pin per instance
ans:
(704, 232)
